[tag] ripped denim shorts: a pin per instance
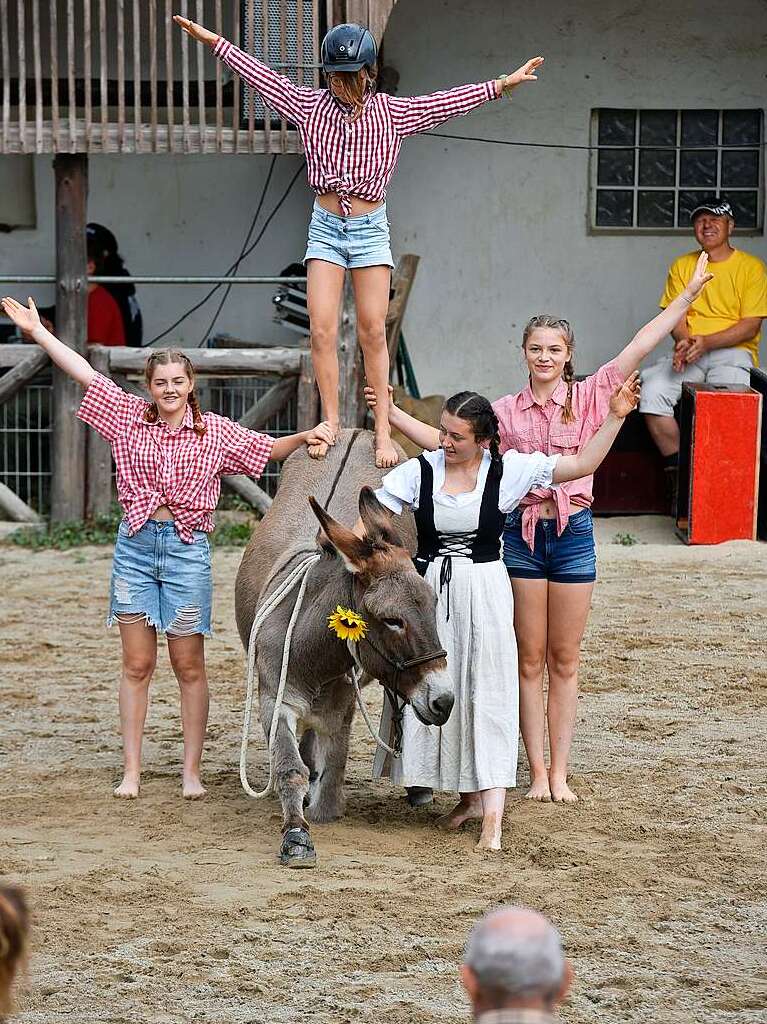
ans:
(157, 577)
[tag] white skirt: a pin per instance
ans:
(478, 745)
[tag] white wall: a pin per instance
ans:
(503, 231)
(180, 215)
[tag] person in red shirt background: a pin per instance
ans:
(105, 322)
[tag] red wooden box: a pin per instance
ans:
(720, 429)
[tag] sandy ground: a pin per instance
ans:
(160, 911)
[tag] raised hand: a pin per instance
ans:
(626, 397)
(524, 74)
(370, 397)
(699, 279)
(25, 317)
(198, 32)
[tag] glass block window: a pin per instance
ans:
(650, 168)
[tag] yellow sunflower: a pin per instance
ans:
(347, 624)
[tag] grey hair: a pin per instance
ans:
(514, 951)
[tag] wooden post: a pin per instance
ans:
(308, 400)
(99, 492)
(68, 464)
(351, 402)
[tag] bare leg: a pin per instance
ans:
(469, 806)
(371, 295)
(324, 288)
(569, 606)
(493, 801)
(187, 656)
(531, 628)
(139, 644)
(664, 430)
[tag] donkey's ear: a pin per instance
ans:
(377, 519)
(353, 550)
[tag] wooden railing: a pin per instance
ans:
(118, 76)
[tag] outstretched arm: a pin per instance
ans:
(278, 91)
(413, 114)
(422, 434)
(666, 322)
(573, 467)
(284, 446)
(28, 319)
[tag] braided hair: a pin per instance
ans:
(163, 357)
(477, 410)
(568, 371)
(14, 930)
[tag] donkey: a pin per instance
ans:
(373, 575)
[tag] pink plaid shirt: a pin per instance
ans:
(527, 427)
(159, 466)
(351, 158)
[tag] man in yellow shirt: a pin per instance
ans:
(717, 341)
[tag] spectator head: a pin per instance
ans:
(712, 223)
(514, 959)
(14, 930)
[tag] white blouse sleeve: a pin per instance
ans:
(523, 473)
(401, 486)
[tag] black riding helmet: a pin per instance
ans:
(348, 48)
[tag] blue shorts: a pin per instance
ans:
(570, 558)
(349, 242)
(157, 577)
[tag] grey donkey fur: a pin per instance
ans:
(376, 577)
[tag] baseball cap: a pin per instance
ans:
(719, 207)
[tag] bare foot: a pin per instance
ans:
(539, 789)
(386, 453)
(192, 788)
(318, 451)
(128, 789)
(490, 837)
(562, 794)
(463, 811)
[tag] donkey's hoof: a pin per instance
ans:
(297, 850)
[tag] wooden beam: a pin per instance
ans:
(402, 283)
(228, 341)
(27, 368)
(250, 491)
(98, 496)
(13, 508)
(128, 385)
(269, 404)
(282, 361)
(68, 433)
(308, 397)
(351, 403)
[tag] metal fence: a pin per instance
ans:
(25, 430)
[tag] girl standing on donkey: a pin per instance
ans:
(352, 136)
(170, 457)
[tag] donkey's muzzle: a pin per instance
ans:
(434, 698)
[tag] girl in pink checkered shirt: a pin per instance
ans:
(169, 457)
(352, 138)
(549, 539)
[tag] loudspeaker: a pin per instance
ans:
(720, 438)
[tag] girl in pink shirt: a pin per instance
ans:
(352, 137)
(169, 457)
(549, 539)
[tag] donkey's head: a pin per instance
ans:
(401, 647)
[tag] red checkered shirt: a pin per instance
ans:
(160, 466)
(351, 158)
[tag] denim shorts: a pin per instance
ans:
(570, 558)
(155, 575)
(349, 242)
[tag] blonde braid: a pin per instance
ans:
(197, 419)
(568, 370)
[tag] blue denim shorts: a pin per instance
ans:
(570, 558)
(349, 242)
(155, 575)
